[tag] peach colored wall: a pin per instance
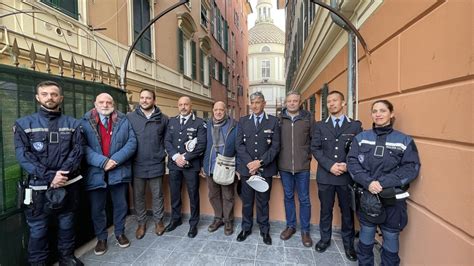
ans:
(110, 15)
(422, 61)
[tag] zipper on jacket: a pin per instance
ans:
(292, 148)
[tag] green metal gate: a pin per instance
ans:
(17, 98)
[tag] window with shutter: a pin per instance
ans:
(193, 59)
(180, 51)
(141, 17)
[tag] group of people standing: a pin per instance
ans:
(119, 149)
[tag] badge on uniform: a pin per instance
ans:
(361, 158)
(269, 141)
(268, 131)
(38, 146)
(191, 129)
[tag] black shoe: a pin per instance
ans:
(321, 246)
(70, 261)
(172, 225)
(193, 231)
(267, 239)
(351, 254)
(243, 235)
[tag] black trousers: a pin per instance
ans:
(191, 178)
(326, 195)
(248, 195)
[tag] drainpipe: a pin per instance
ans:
(354, 36)
(352, 62)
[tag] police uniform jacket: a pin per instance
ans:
(175, 137)
(46, 142)
(330, 147)
(149, 160)
(123, 145)
(262, 143)
(385, 155)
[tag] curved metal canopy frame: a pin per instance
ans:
(351, 26)
(123, 70)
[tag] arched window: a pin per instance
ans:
(265, 49)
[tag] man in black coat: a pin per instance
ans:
(185, 143)
(330, 145)
(149, 124)
(257, 144)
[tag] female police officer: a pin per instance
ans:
(383, 162)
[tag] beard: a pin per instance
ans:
(50, 105)
(105, 111)
(147, 107)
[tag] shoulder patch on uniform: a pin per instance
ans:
(204, 124)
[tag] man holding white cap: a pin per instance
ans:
(257, 144)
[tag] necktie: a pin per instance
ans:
(106, 122)
(182, 122)
(257, 123)
(337, 127)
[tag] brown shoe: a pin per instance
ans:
(159, 228)
(123, 241)
(228, 228)
(100, 247)
(215, 225)
(141, 229)
(306, 239)
(287, 233)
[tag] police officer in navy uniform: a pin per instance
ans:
(330, 144)
(383, 161)
(185, 143)
(48, 147)
(257, 144)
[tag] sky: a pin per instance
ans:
(277, 15)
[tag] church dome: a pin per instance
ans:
(266, 33)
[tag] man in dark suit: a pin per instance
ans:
(185, 142)
(330, 144)
(257, 144)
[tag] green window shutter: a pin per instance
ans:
(193, 59)
(324, 96)
(226, 37)
(220, 72)
(218, 22)
(180, 51)
(212, 17)
(201, 66)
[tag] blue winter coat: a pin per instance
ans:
(385, 155)
(122, 147)
(229, 129)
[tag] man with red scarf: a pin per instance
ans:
(111, 143)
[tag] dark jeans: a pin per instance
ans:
(396, 220)
(326, 197)
(98, 198)
(301, 182)
(248, 195)
(222, 200)
(155, 185)
(38, 222)
(191, 178)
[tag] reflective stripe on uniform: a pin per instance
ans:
(364, 141)
(396, 146)
(66, 129)
(37, 129)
